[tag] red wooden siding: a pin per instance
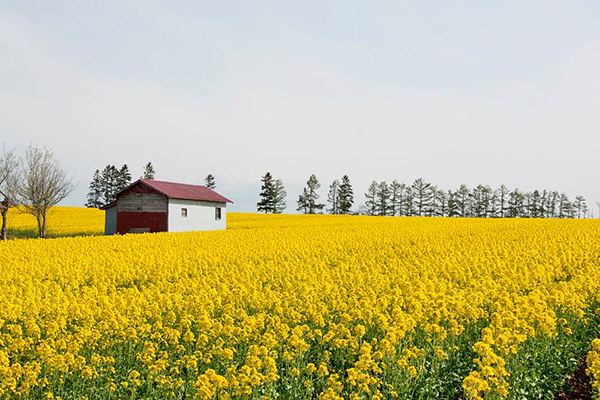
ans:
(155, 221)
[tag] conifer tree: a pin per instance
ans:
(149, 171)
(440, 203)
(502, 194)
(334, 197)
(535, 200)
(267, 202)
(371, 195)
(453, 209)
(516, 203)
(551, 208)
(109, 183)
(462, 198)
(494, 205)
(307, 201)
(580, 207)
(383, 199)
(279, 195)
(209, 182)
(346, 196)
(480, 197)
(94, 196)
(422, 196)
(396, 192)
(124, 178)
(407, 202)
(544, 200)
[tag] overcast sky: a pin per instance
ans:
(452, 91)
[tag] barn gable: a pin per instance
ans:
(139, 198)
(141, 209)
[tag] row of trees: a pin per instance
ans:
(35, 181)
(422, 198)
(111, 180)
(273, 194)
(340, 197)
(107, 183)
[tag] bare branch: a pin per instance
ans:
(44, 185)
(9, 184)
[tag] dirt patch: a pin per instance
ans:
(578, 385)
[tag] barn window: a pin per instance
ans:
(218, 213)
(184, 212)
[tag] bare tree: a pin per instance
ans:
(45, 184)
(9, 183)
(598, 204)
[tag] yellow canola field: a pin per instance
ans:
(62, 221)
(303, 307)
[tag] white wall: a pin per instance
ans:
(200, 216)
(110, 220)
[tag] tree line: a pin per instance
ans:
(273, 194)
(34, 181)
(37, 182)
(111, 180)
(423, 199)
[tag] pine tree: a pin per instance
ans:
(109, 184)
(535, 204)
(396, 193)
(544, 201)
(94, 196)
(371, 195)
(422, 197)
(124, 177)
(580, 207)
(453, 209)
(462, 199)
(334, 197)
(516, 204)
(209, 182)
(383, 199)
(307, 201)
(494, 205)
(407, 202)
(440, 202)
(149, 171)
(502, 195)
(481, 201)
(346, 196)
(267, 202)
(279, 194)
(551, 209)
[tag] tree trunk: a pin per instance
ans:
(39, 222)
(44, 225)
(4, 234)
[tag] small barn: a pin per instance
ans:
(148, 205)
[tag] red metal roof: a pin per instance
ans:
(185, 192)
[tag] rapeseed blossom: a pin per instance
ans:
(300, 307)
